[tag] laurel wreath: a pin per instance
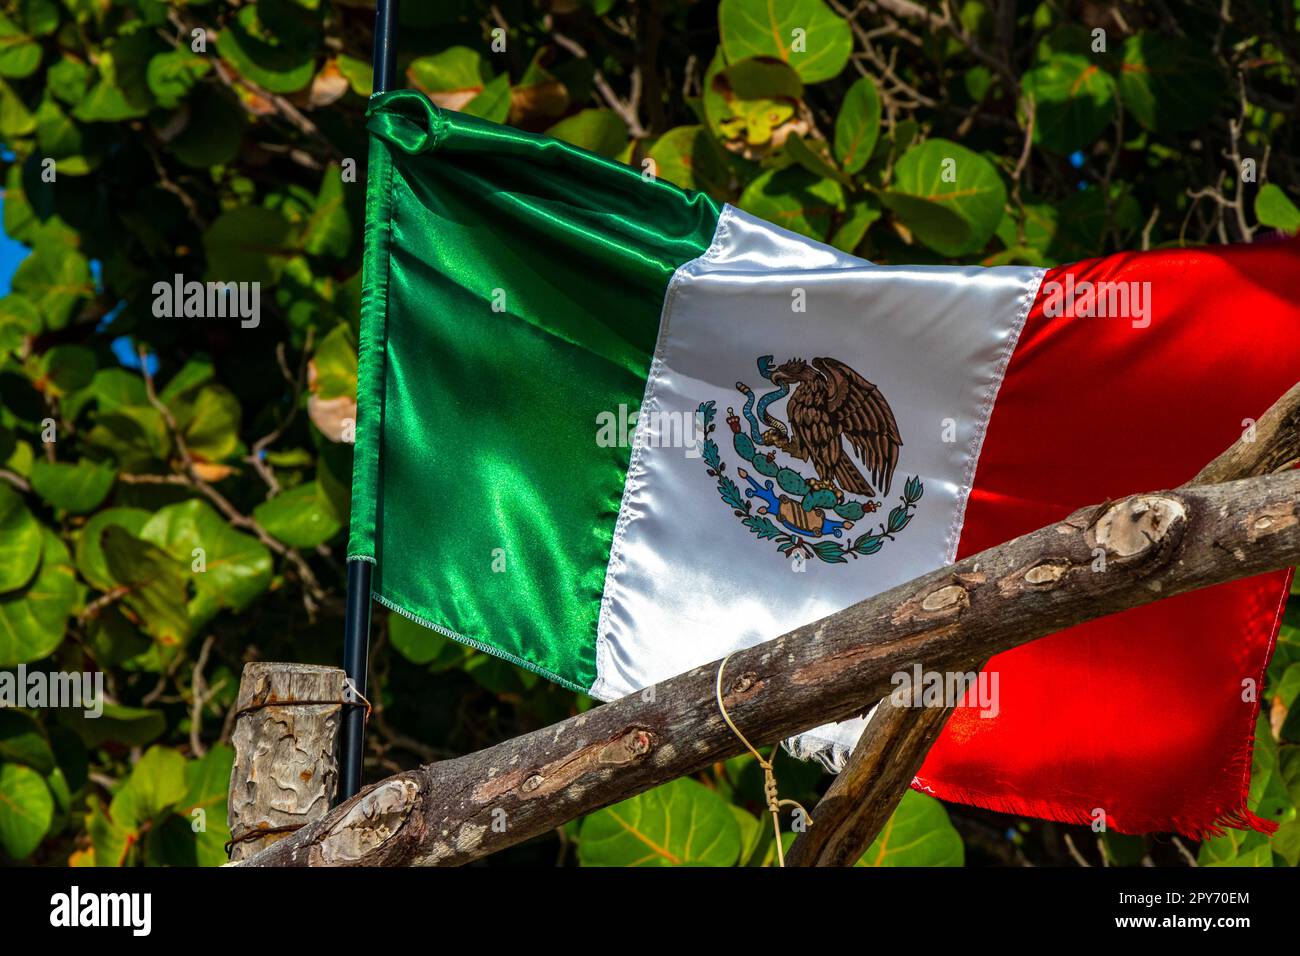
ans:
(831, 552)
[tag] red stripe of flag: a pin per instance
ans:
(1140, 714)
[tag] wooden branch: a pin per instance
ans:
(285, 773)
(1157, 545)
(894, 743)
(866, 792)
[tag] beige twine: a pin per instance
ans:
(774, 803)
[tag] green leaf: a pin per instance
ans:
(155, 581)
(157, 781)
(1081, 220)
(132, 726)
(854, 228)
(600, 131)
(77, 488)
(917, 834)
(207, 780)
(794, 199)
(20, 55)
(359, 74)
(22, 741)
(193, 375)
(689, 157)
(949, 197)
(16, 120)
(1074, 101)
(978, 80)
(26, 810)
(111, 639)
(1169, 84)
(25, 215)
(493, 102)
(66, 368)
(1236, 848)
(1274, 208)
(328, 231)
(41, 17)
(114, 387)
(1039, 220)
(272, 61)
(20, 540)
(61, 139)
(55, 278)
(804, 33)
(121, 91)
(301, 517)
(455, 69)
(237, 566)
(248, 244)
(19, 320)
(32, 620)
(111, 839)
(858, 125)
(752, 99)
(762, 80)
(135, 435)
(682, 823)
(812, 157)
(334, 365)
(754, 836)
(211, 423)
(69, 79)
(213, 132)
(422, 645)
(172, 75)
(1286, 842)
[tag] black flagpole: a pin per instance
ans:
(356, 635)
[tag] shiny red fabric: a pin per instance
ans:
(1140, 714)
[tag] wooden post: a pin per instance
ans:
(286, 752)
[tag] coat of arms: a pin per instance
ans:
(828, 405)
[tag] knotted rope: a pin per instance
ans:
(774, 802)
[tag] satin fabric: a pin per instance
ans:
(512, 294)
(688, 582)
(1141, 715)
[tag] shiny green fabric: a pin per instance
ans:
(512, 292)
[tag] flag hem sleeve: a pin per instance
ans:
(371, 348)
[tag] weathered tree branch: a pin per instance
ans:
(1157, 545)
(894, 743)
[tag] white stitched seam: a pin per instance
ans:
(632, 484)
(986, 412)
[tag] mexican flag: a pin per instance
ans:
(612, 430)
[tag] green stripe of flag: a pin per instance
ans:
(513, 287)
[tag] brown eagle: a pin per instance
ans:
(828, 400)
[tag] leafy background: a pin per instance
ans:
(235, 163)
